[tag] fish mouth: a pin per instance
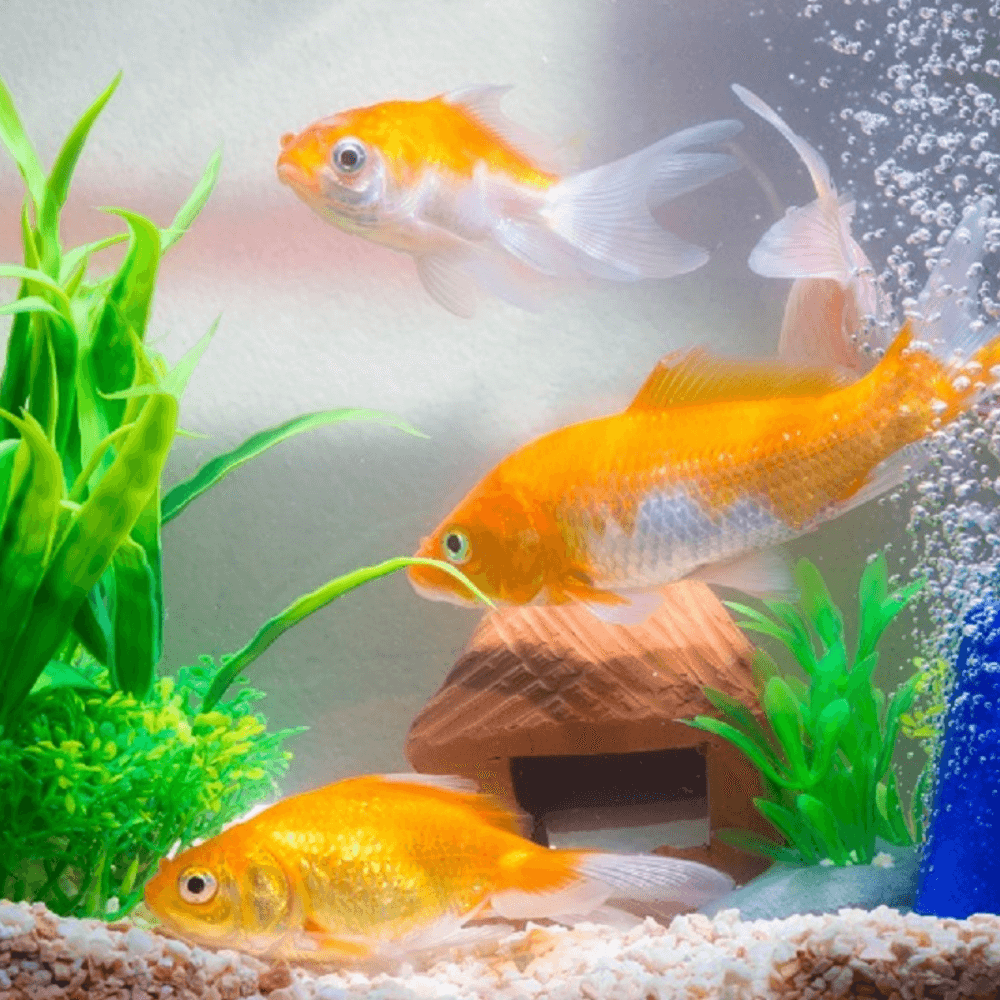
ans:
(291, 174)
(420, 577)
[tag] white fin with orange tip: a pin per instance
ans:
(618, 876)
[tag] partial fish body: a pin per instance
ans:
(836, 313)
(448, 181)
(386, 865)
(713, 464)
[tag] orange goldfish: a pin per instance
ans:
(714, 464)
(385, 865)
(448, 180)
(836, 313)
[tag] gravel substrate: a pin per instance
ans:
(854, 953)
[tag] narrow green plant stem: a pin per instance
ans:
(76, 493)
(307, 604)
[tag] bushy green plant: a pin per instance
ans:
(96, 786)
(825, 755)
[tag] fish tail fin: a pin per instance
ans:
(601, 218)
(555, 883)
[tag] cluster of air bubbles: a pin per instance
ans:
(915, 92)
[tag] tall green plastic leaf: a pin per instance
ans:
(126, 312)
(137, 621)
(101, 524)
(191, 209)
(57, 186)
(13, 136)
(26, 538)
(309, 603)
(219, 467)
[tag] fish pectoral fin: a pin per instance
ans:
(695, 377)
(763, 573)
(449, 283)
(321, 945)
(616, 607)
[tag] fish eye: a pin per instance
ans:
(456, 546)
(197, 886)
(348, 156)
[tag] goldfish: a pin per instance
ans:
(836, 312)
(451, 182)
(715, 464)
(381, 866)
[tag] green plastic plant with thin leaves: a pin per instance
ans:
(825, 755)
(88, 415)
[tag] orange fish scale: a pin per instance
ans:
(415, 134)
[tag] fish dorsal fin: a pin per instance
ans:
(693, 377)
(489, 809)
(483, 104)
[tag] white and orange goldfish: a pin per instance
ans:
(836, 313)
(714, 464)
(382, 866)
(447, 181)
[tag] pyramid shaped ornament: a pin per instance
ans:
(555, 681)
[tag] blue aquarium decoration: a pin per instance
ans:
(959, 876)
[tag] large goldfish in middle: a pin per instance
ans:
(449, 180)
(714, 464)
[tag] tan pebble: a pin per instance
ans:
(902, 950)
(277, 977)
(23, 944)
(229, 986)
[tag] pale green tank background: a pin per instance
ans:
(313, 318)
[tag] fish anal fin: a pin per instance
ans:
(694, 377)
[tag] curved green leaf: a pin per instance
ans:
(219, 467)
(307, 604)
(14, 137)
(57, 186)
(190, 210)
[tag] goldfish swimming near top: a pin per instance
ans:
(835, 288)
(385, 865)
(714, 464)
(448, 181)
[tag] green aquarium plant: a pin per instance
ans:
(88, 415)
(825, 753)
(96, 787)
